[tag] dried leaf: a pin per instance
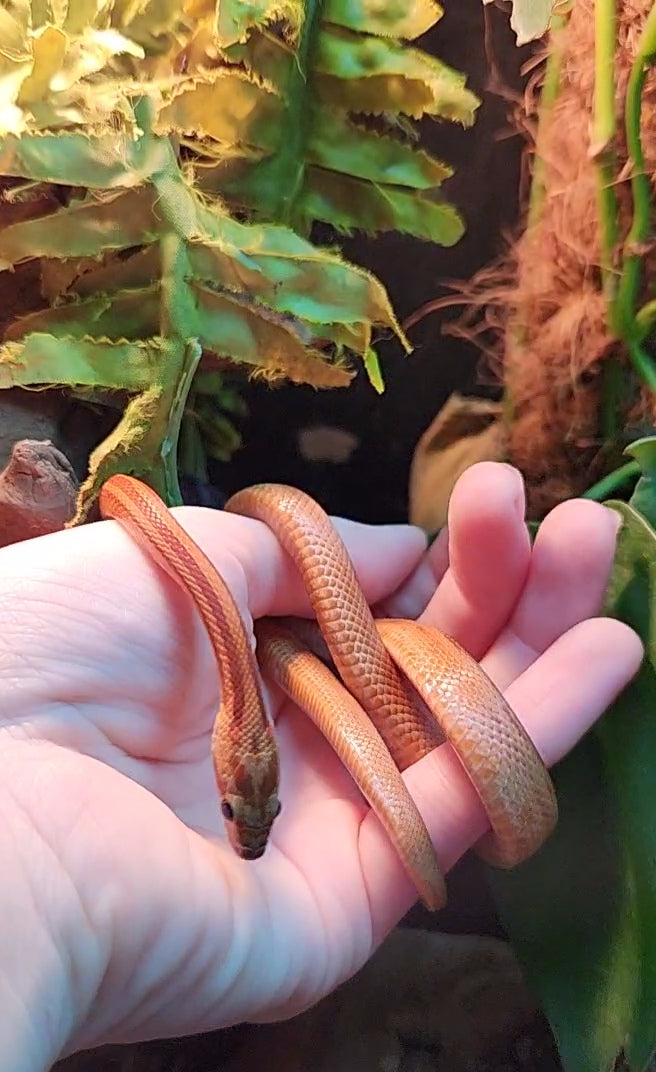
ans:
(531, 19)
(465, 431)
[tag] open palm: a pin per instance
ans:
(110, 692)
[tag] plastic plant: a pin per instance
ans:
(193, 146)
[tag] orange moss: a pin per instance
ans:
(543, 303)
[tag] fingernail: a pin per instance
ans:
(519, 501)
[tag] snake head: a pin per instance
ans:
(249, 805)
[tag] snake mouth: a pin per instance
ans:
(250, 852)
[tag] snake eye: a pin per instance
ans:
(227, 811)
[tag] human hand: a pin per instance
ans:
(147, 920)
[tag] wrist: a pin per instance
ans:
(50, 959)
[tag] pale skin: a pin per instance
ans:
(125, 914)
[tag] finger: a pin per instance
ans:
(438, 554)
(383, 556)
(556, 705)
(416, 591)
(568, 574)
(489, 555)
(558, 702)
(570, 566)
(244, 551)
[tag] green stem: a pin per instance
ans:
(629, 285)
(548, 97)
(603, 142)
(190, 356)
(610, 483)
(643, 364)
(280, 178)
(604, 131)
(192, 458)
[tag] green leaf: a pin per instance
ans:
(87, 227)
(106, 161)
(231, 324)
(155, 24)
(42, 360)
(393, 18)
(365, 73)
(299, 165)
(582, 913)
(643, 498)
(234, 18)
(212, 384)
(352, 205)
(136, 311)
(339, 145)
(220, 437)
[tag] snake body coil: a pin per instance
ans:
(372, 717)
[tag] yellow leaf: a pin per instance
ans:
(123, 450)
(14, 25)
(89, 53)
(48, 52)
(229, 107)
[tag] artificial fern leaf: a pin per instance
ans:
(38, 360)
(351, 204)
(157, 25)
(104, 162)
(230, 108)
(343, 57)
(267, 265)
(236, 18)
(258, 295)
(307, 90)
(47, 77)
(160, 118)
(340, 145)
(84, 228)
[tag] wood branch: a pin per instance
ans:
(38, 489)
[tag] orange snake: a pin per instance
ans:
(377, 727)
